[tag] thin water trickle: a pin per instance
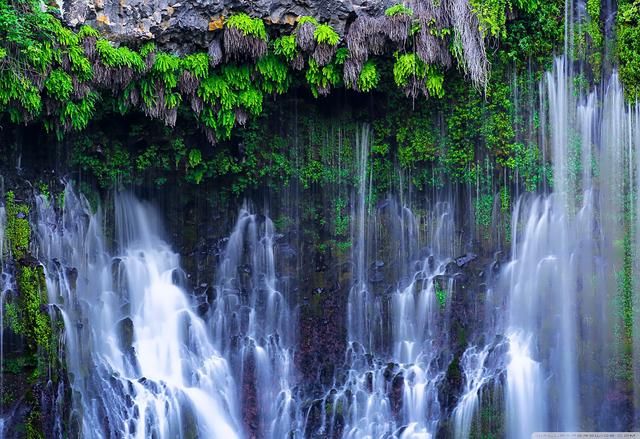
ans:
(254, 326)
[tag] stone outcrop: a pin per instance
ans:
(183, 25)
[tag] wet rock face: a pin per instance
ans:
(188, 24)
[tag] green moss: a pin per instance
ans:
(33, 425)
(441, 294)
(12, 318)
(36, 323)
(18, 230)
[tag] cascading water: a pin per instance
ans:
(254, 325)
(141, 363)
(397, 355)
(561, 282)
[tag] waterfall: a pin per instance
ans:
(255, 327)
(141, 363)
(360, 301)
(397, 350)
(567, 263)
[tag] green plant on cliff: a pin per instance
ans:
(285, 46)
(33, 297)
(248, 26)
(409, 66)
(594, 30)
(628, 46)
(18, 230)
(369, 77)
(398, 9)
(324, 34)
(41, 59)
(440, 293)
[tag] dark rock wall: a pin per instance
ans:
(186, 24)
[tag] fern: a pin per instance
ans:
(80, 64)
(253, 27)
(398, 9)
(197, 64)
(409, 66)
(165, 68)
(369, 78)
(251, 100)
(324, 34)
(119, 57)
(87, 31)
(274, 73)
(79, 114)
(307, 19)
(285, 46)
(321, 79)
(147, 49)
(59, 85)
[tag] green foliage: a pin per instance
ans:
(286, 47)
(78, 114)
(322, 78)
(441, 294)
(253, 27)
(628, 47)
(416, 143)
(197, 64)
(398, 9)
(534, 33)
(87, 31)
(33, 425)
(119, 56)
(369, 77)
(59, 85)
(33, 295)
(409, 66)
(324, 34)
(307, 19)
(341, 217)
(484, 210)
(492, 15)
(18, 230)
(594, 29)
(110, 166)
(505, 200)
(12, 318)
(275, 74)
